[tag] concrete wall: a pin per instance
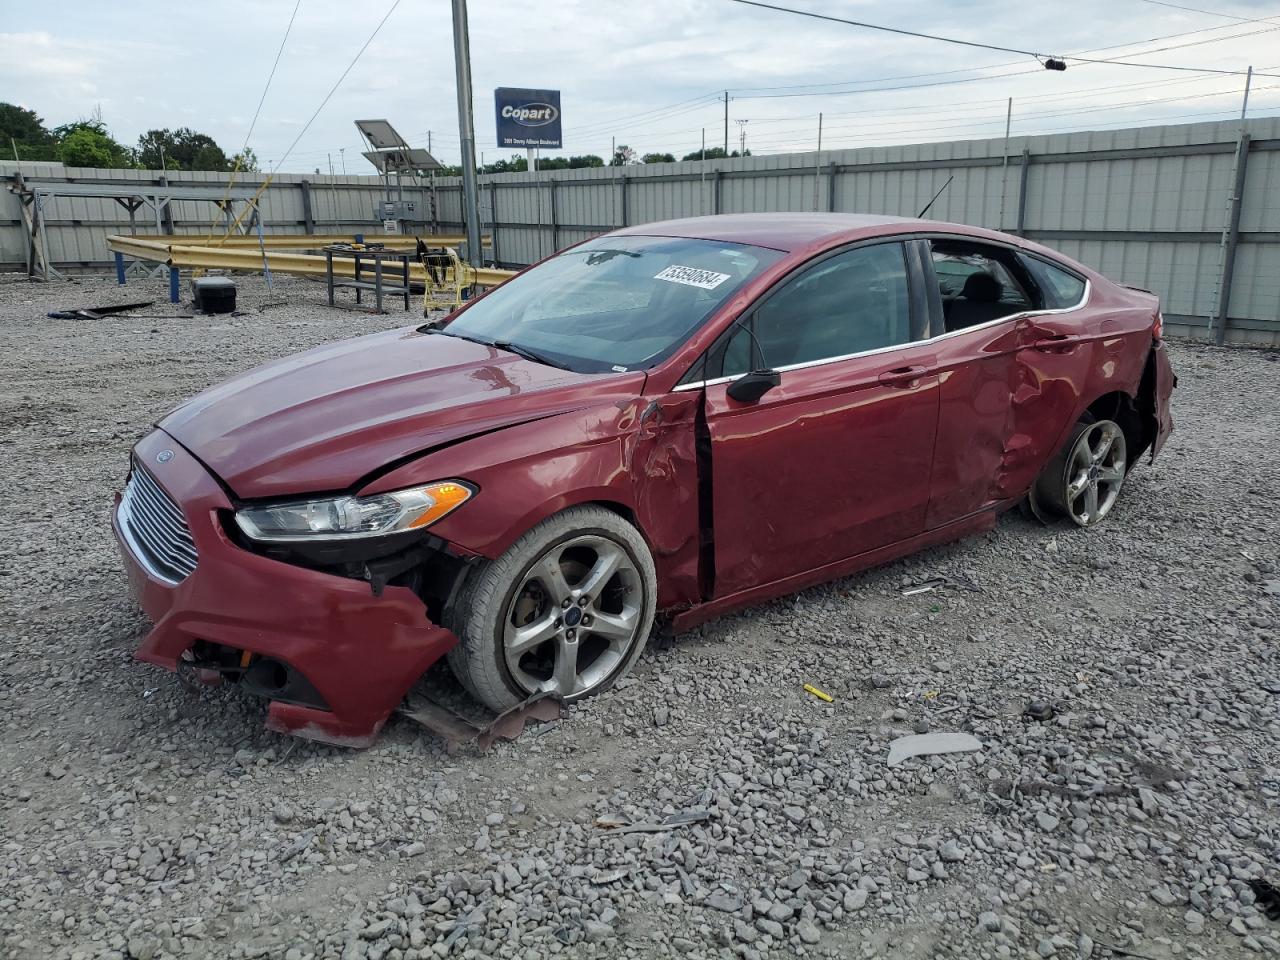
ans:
(1146, 205)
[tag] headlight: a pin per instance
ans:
(342, 518)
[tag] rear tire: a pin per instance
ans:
(1083, 481)
(566, 610)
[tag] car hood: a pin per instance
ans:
(324, 419)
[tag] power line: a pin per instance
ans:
(1213, 13)
(1014, 63)
(337, 83)
(974, 43)
(271, 76)
(920, 122)
(960, 106)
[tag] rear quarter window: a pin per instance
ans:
(1059, 290)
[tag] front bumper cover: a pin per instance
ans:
(360, 652)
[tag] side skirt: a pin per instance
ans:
(976, 523)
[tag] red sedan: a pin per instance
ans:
(685, 417)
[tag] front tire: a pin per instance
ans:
(566, 610)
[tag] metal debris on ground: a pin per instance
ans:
(457, 731)
(810, 689)
(940, 583)
(97, 313)
(1040, 710)
(684, 818)
(611, 876)
(929, 744)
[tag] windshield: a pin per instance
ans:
(613, 303)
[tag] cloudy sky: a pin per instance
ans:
(649, 73)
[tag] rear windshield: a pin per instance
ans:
(614, 303)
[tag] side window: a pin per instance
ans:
(976, 284)
(855, 301)
(1059, 290)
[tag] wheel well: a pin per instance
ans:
(1124, 410)
(625, 512)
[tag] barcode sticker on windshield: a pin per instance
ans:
(693, 277)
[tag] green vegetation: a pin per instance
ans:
(88, 143)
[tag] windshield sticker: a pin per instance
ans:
(693, 277)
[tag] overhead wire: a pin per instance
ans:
(1214, 13)
(917, 123)
(645, 119)
(974, 43)
(307, 126)
(244, 150)
(1007, 63)
(950, 109)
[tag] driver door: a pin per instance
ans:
(835, 460)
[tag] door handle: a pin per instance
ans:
(1054, 343)
(903, 376)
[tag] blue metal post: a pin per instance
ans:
(120, 268)
(173, 284)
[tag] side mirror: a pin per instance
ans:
(750, 387)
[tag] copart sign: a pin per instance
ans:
(527, 118)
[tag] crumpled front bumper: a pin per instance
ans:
(361, 653)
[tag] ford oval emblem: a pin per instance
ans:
(164, 456)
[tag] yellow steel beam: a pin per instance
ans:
(304, 241)
(186, 257)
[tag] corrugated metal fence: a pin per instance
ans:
(1146, 205)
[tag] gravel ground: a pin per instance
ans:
(143, 818)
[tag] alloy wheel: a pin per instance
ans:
(574, 618)
(1095, 470)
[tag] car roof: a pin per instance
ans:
(779, 231)
(809, 232)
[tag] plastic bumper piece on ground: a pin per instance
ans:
(361, 653)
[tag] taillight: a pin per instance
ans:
(1157, 328)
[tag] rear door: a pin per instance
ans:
(835, 460)
(1010, 351)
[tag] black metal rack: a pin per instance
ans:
(378, 284)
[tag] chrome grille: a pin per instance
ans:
(155, 528)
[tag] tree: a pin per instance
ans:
(27, 132)
(86, 143)
(181, 149)
(622, 156)
(248, 161)
(713, 153)
(658, 158)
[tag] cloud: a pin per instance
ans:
(625, 69)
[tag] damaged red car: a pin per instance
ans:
(683, 418)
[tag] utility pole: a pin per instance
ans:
(1004, 172)
(702, 190)
(342, 153)
(466, 130)
(331, 164)
(429, 142)
(817, 167)
(742, 137)
(1231, 232)
(726, 123)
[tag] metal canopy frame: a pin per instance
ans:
(34, 196)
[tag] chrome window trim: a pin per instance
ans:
(1084, 300)
(1013, 317)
